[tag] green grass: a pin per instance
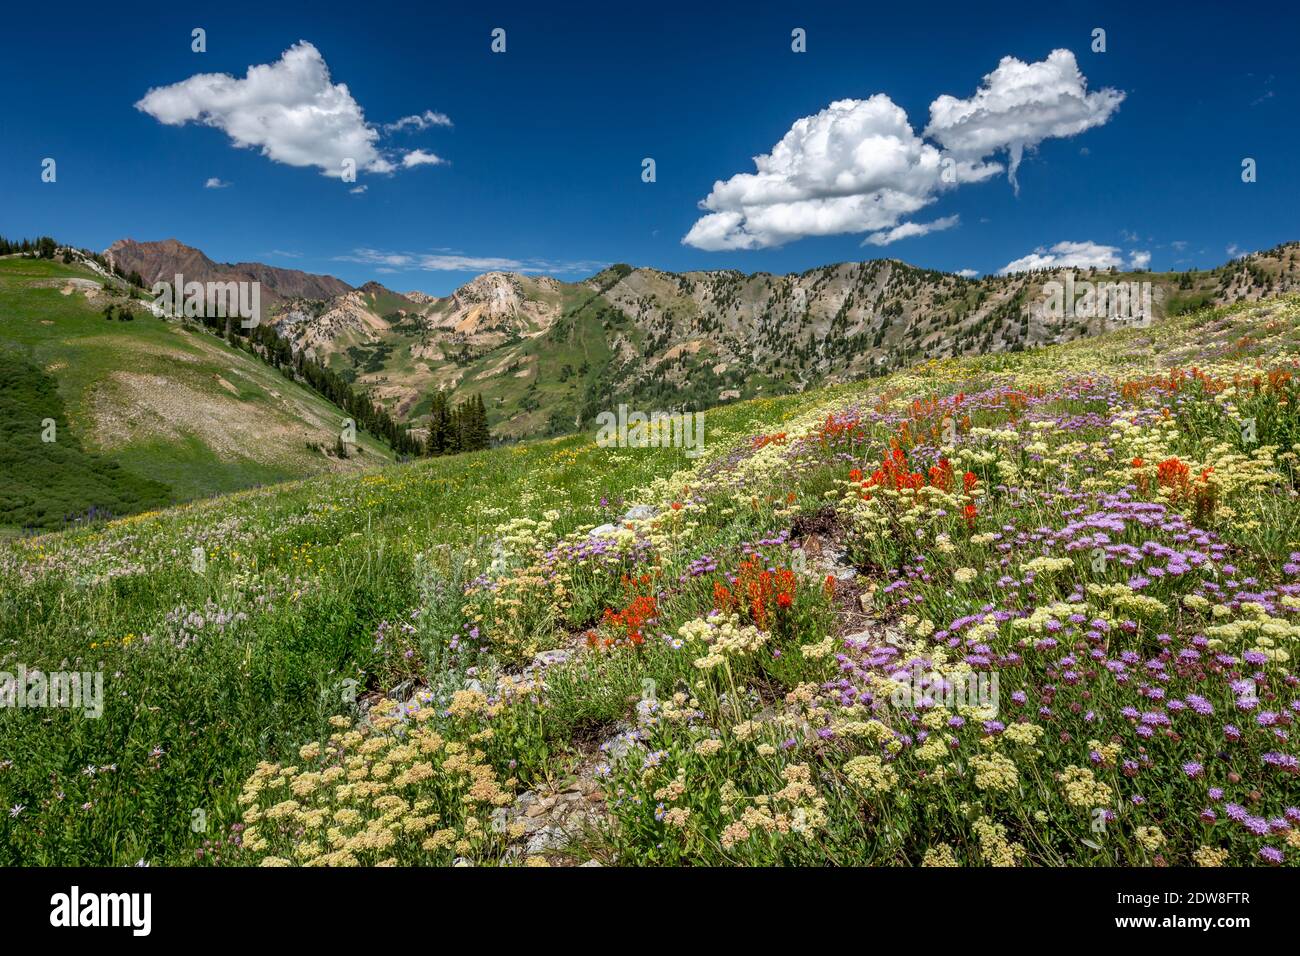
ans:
(316, 565)
(50, 480)
(207, 672)
(177, 412)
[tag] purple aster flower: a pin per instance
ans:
(1256, 825)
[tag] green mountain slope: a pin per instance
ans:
(547, 355)
(50, 478)
(147, 412)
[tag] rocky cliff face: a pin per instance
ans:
(161, 261)
(498, 306)
(347, 320)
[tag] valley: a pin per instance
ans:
(548, 356)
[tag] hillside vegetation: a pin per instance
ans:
(548, 355)
(558, 652)
(50, 481)
(147, 411)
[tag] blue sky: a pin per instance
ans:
(541, 167)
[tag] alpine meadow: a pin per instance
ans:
(842, 440)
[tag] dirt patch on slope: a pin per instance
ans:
(131, 407)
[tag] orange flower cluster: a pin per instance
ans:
(762, 441)
(628, 625)
(1017, 400)
(1279, 382)
(941, 475)
(1173, 475)
(757, 593)
(895, 473)
(838, 431)
(1175, 381)
(970, 512)
(937, 430)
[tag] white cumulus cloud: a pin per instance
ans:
(290, 110)
(418, 157)
(418, 121)
(1018, 106)
(215, 183)
(910, 229)
(858, 165)
(1078, 255)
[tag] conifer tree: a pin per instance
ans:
(439, 425)
(481, 437)
(455, 429)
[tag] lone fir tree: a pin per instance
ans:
(453, 429)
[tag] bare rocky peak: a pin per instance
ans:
(163, 260)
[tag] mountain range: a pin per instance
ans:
(150, 410)
(548, 355)
(161, 261)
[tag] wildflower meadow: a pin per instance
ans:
(1030, 609)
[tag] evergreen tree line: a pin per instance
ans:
(370, 416)
(45, 247)
(463, 427)
(41, 248)
(264, 343)
(275, 351)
